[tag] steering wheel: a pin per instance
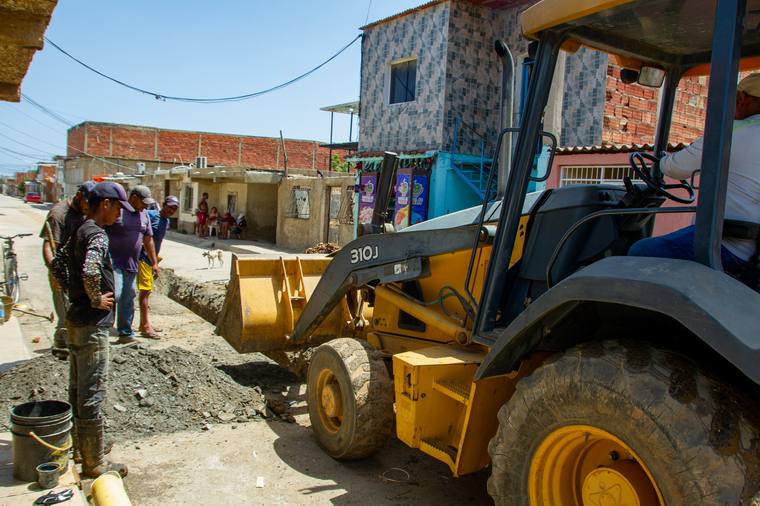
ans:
(643, 170)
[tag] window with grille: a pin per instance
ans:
(595, 175)
(299, 203)
(403, 81)
(187, 198)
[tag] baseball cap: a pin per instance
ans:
(750, 85)
(171, 201)
(110, 190)
(85, 188)
(144, 193)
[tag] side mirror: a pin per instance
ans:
(651, 77)
(544, 157)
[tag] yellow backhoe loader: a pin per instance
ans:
(518, 334)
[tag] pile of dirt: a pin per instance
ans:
(151, 391)
(204, 299)
(323, 247)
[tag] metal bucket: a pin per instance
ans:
(41, 433)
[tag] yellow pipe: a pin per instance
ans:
(423, 313)
(108, 490)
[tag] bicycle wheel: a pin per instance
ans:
(12, 286)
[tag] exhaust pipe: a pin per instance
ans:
(506, 111)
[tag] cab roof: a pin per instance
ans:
(637, 32)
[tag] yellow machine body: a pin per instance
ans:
(440, 409)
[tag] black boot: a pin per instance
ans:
(92, 447)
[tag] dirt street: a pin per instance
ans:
(227, 454)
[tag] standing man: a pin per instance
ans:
(83, 266)
(127, 236)
(62, 222)
(159, 222)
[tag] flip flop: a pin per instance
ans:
(150, 334)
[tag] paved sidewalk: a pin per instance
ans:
(13, 347)
(183, 253)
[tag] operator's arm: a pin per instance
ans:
(150, 250)
(97, 249)
(682, 164)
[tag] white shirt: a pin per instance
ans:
(743, 192)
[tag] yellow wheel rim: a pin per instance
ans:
(584, 465)
(330, 401)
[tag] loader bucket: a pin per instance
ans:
(265, 297)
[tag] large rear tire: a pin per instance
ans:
(612, 418)
(350, 398)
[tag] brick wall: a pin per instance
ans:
(177, 146)
(630, 111)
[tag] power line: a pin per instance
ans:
(52, 129)
(26, 145)
(368, 8)
(47, 111)
(29, 135)
(161, 96)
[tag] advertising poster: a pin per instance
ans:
(403, 201)
(419, 198)
(367, 197)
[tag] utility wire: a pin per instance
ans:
(368, 8)
(56, 146)
(26, 145)
(161, 96)
(47, 111)
(52, 129)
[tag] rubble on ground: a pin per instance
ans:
(156, 390)
(323, 247)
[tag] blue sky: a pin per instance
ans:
(191, 48)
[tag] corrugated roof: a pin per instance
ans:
(493, 4)
(21, 35)
(404, 13)
(607, 149)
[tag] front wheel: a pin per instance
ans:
(11, 286)
(607, 423)
(350, 398)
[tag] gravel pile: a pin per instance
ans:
(150, 391)
(323, 247)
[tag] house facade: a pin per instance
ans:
(431, 90)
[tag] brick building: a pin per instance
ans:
(107, 148)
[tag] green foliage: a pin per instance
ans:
(337, 165)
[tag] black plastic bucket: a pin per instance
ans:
(50, 422)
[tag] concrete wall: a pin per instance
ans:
(298, 233)
(261, 212)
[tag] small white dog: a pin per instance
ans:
(214, 255)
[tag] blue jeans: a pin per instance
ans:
(680, 245)
(124, 296)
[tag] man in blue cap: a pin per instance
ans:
(61, 223)
(83, 267)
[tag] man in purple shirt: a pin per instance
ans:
(127, 237)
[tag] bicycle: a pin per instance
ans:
(11, 279)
